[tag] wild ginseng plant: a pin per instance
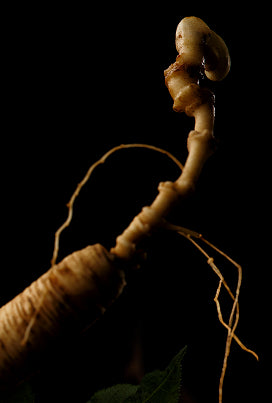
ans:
(76, 291)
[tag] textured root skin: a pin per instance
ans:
(67, 298)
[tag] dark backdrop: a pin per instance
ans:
(78, 81)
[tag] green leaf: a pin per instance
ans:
(155, 387)
(115, 394)
(161, 386)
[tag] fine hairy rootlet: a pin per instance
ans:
(76, 291)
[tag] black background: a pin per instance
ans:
(80, 80)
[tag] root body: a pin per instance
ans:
(69, 297)
(200, 49)
(75, 292)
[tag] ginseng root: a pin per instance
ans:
(83, 285)
(70, 295)
(66, 299)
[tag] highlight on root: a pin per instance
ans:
(68, 220)
(84, 284)
(190, 235)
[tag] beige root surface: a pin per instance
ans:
(200, 51)
(66, 298)
(70, 296)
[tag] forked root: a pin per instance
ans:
(191, 235)
(232, 323)
(70, 206)
(200, 50)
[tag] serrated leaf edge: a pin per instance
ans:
(178, 357)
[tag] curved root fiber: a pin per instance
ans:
(233, 318)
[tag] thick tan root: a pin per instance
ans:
(86, 282)
(199, 48)
(67, 298)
